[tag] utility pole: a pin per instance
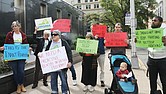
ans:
(134, 58)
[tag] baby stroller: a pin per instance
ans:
(120, 87)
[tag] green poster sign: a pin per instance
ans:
(149, 38)
(87, 46)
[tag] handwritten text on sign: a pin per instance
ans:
(99, 30)
(53, 60)
(151, 38)
(116, 39)
(87, 46)
(44, 23)
(16, 51)
(62, 25)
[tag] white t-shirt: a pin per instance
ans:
(17, 38)
(45, 44)
(55, 45)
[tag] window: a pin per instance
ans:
(43, 10)
(96, 0)
(96, 5)
(88, 6)
(86, 0)
(91, 0)
(59, 13)
(70, 16)
(79, 7)
(79, 1)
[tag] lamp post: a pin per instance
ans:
(134, 59)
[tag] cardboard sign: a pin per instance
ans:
(99, 30)
(116, 39)
(62, 25)
(53, 60)
(87, 46)
(43, 23)
(149, 38)
(16, 51)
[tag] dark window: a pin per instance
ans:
(70, 16)
(91, 0)
(43, 10)
(86, 0)
(59, 13)
(96, 5)
(79, 1)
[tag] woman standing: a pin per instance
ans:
(89, 69)
(16, 36)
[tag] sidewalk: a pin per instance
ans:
(143, 81)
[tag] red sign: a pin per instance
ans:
(62, 25)
(116, 39)
(99, 30)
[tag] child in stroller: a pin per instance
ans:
(124, 75)
(117, 86)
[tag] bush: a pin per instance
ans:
(3, 65)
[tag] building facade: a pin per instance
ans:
(26, 11)
(87, 6)
(161, 10)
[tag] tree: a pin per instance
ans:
(116, 10)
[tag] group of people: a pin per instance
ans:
(156, 60)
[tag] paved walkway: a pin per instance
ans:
(143, 82)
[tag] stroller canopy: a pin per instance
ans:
(123, 57)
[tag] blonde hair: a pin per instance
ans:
(123, 64)
(47, 32)
(16, 23)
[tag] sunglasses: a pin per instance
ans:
(154, 20)
(54, 34)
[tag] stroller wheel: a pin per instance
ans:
(106, 91)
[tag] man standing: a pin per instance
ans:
(118, 50)
(41, 45)
(101, 58)
(157, 60)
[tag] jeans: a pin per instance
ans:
(73, 72)
(54, 81)
(101, 60)
(18, 70)
(157, 66)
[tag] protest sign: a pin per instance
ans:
(43, 23)
(99, 30)
(62, 25)
(149, 38)
(87, 46)
(116, 39)
(53, 60)
(16, 51)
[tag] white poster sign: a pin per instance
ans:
(53, 60)
(43, 23)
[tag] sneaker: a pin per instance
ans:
(102, 84)
(91, 88)
(74, 82)
(85, 88)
